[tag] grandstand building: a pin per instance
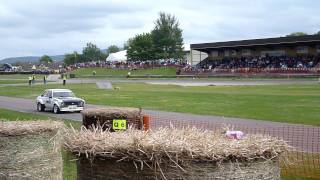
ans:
(282, 46)
(282, 55)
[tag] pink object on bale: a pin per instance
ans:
(234, 134)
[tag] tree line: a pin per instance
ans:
(301, 34)
(163, 42)
(89, 53)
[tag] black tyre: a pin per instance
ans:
(40, 107)
(56, 109)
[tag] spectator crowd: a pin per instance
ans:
(261, 62)
(129, 64)
(223, 65)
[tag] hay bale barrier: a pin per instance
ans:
(30, 150)
(171, 153)
(112, 169)
(104, 117)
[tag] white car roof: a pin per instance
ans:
(59, 90)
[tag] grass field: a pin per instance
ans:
(104, 71)
(16, 76)
(282, 103)
(21, 116)
(14, 115)
(165, 72)
(13, 81)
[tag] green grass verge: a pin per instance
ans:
(165, 72)
(104, 71)
(297, 178)
(19, 76)
(13, 81)
(69, 166)
(18, 79)
(302, 166)
(10, 115)
(14, 76)
(14, 115)
(283, 103)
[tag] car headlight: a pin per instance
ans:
(81, 103)
(62, 104)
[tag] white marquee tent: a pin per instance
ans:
(120, 56)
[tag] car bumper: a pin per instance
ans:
(71, 109)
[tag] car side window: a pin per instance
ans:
(49, 94)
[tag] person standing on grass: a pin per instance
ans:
(44, 79)
(30, 80)
(33, 78)
(64, 79)
(129, 74)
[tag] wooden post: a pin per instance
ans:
(146, 122)
(191, 58)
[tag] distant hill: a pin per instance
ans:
(29, 59)
(104, 51)
(26, 59)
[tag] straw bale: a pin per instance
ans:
(112, 169)
(30, 150)
(170, 151)
(104, 116)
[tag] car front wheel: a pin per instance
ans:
(40, 107)
(56, 109)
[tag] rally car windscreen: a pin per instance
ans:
(63, 94)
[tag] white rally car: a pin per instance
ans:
(59, 100)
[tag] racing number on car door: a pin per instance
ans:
(48, 99)
(119, 124)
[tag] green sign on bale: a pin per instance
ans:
(30, 150)
(113, 118)
(119, 124)
(187, 153)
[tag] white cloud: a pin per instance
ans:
(37, 27)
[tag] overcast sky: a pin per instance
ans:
(53, 27)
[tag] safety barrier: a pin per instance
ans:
(302, 161)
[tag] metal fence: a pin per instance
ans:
(304, 160)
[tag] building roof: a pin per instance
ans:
(258, 42)
(186, 47)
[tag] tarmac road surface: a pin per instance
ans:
(302, 137)
(180, 82)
